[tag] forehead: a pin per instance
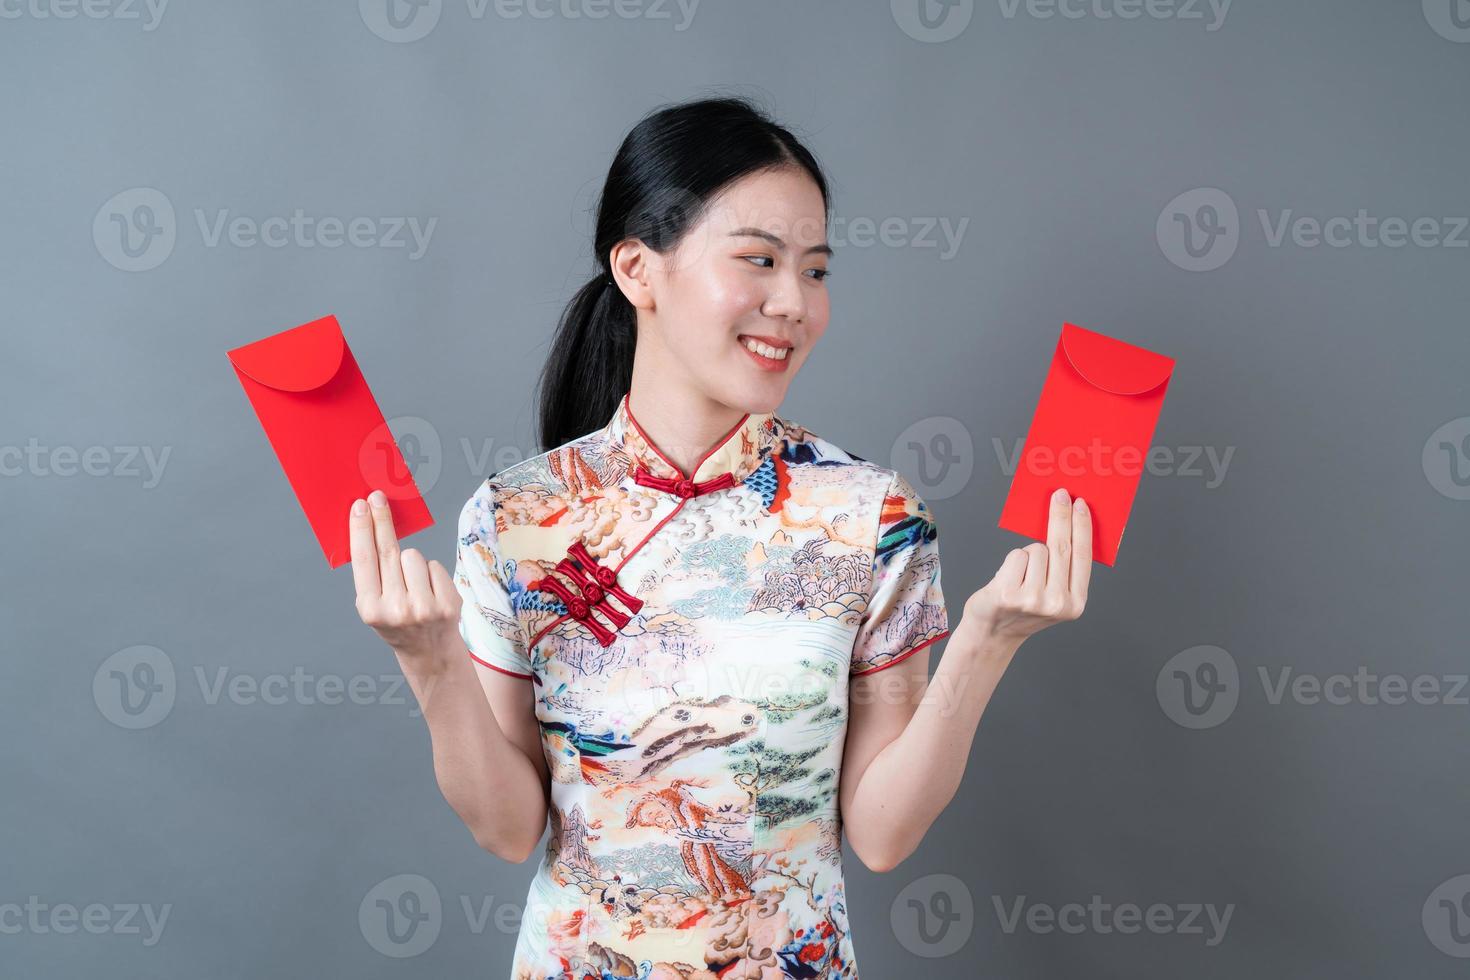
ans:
(785, 202)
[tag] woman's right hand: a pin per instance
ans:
(412, 604)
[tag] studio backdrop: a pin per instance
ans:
(1247, 758)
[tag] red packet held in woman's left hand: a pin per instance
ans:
(327, 431)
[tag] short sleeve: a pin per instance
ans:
(906, 609)
(487, 618)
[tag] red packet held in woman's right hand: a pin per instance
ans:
(1090, 434)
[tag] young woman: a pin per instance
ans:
(693, 633)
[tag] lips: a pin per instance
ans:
(770, 341)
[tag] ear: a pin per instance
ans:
(634, 265)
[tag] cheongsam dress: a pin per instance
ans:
(689, 639)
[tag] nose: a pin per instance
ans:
(786, 298)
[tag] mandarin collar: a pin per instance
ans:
(739, 453)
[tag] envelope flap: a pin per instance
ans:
(1112, 364)
(298, 359)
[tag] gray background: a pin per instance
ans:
(1329, 547)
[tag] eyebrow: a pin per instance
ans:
(776, 240)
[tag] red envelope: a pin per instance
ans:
(327, 431)
(1090, 434)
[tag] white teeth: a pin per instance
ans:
(765, 350)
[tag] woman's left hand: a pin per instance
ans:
(1038, 585)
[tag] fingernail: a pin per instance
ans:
(378, 498)
(1080, 504)
(1060, 495)
(359, 507)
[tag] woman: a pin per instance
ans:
(666, 632)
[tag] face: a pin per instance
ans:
(734, 311)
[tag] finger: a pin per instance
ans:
(1035, 576)
(442, 582)
(1081, 548)
(1013, 569)
(416, 574)
(390, 569)
(1059, 544)
(364, 551)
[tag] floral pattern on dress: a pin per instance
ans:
(691, 673)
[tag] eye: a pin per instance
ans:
(760, 258)
(823, 274)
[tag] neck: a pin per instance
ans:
(684, 424)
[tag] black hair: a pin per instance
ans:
(666, 172)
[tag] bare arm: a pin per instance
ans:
(486, 741)
(909, 737)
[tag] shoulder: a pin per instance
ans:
(575, 468)
(814, 461)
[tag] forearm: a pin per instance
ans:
(484, 777)
(910, 782)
